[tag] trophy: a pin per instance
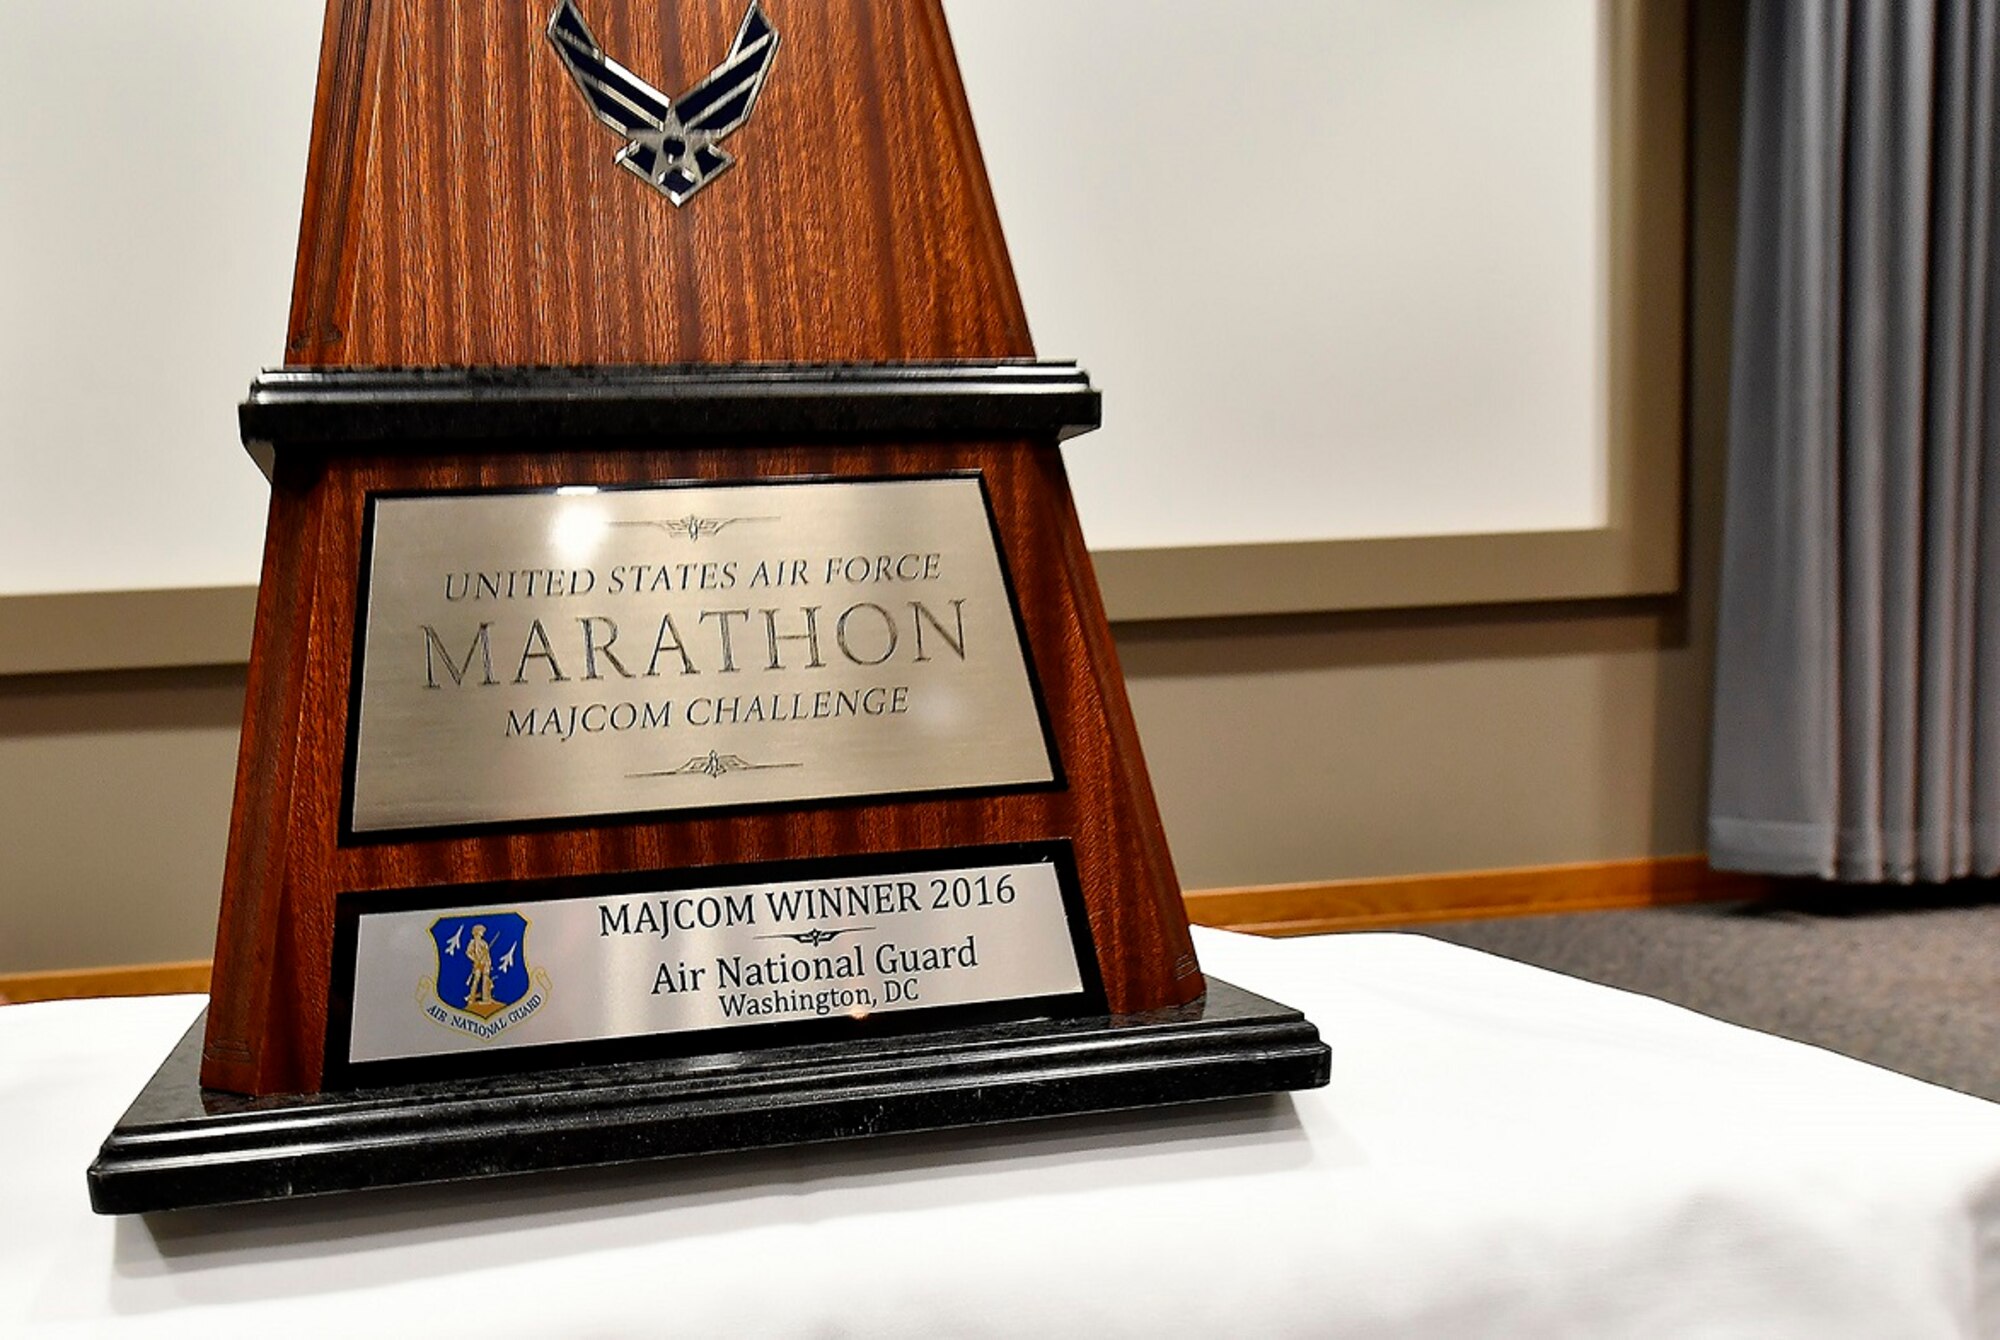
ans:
(681, 713)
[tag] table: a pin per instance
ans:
(1502, 1152)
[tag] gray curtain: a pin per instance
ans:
(1858, 664)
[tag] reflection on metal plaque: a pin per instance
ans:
(583, 652)
(480, 977)
(672, 145)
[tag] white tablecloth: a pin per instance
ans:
(1502, 1152)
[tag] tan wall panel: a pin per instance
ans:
(1297, 750)
(114, 810)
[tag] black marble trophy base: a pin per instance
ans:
(178, 1147)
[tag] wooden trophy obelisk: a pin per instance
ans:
(680, 698)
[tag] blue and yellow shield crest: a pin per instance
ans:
(482, 961)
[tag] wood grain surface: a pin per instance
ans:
(463, 208)
(286, 867)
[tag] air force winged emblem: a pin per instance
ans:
(673, 145)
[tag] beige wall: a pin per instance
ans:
(1283, 749)
(114, 806)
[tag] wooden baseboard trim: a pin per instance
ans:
(1410, 900)
(142, 979)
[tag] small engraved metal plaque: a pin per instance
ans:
(921, 932)
(584, 652)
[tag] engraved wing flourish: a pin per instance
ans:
(673, 146)
(714, 766)
(693, 527)
(817, 936)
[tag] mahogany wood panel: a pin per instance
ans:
(462, 206)
(286, 868)
(463, 209)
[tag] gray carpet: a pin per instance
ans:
(1905, 979)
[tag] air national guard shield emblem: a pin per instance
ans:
(483, 984)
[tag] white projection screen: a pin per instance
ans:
(1384, 298)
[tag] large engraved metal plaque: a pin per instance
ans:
(473, 972)
(585, 652)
